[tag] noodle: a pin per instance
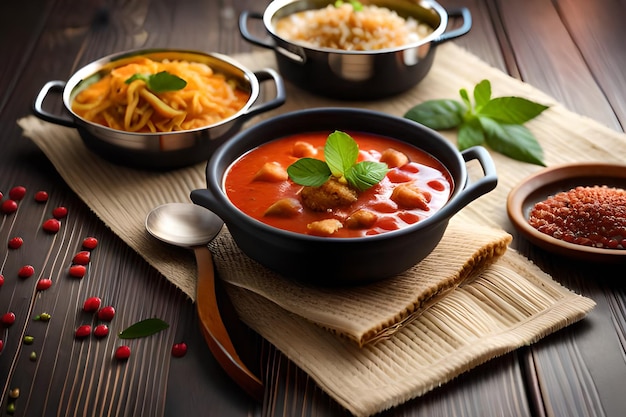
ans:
(207, 98)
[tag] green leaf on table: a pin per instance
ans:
(143, 328)
(514, 141)
(512, 110)
(496, 122)
(438, 114)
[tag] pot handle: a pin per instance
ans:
(205, 198)
(268, 74)
(245, 33)
(460, 31)
(45, 115)
(473, 190)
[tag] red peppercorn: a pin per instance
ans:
(90, 243)
(81, 258)
(9, 206)
(1, 280)
(15, 242)
(8, 318)
(82, 331)
(41, 196)
(1, 345)
(78, 271)
(122, 353)
(17, 193)
(26, 271)
(59, 212)
(43, 284)
(106, 313)
(179, 350)
(51, 225)
(92, 304)
(101, 330)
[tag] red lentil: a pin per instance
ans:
(92, 304)
(90, 243)
(81, 258)
(41, 196)
(82, 331)
(106, 313)
(179, 350)
(590, 216)
(17, 193)
(78, 271)
(122, 353)
(59, 212)
(9, 206)
(15, 242)
(8, 318)
(26, 271)
(101, 330)
(1, 280)
(43, 284)
(51, 225)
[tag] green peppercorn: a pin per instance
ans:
(44, 317)
(28, 340)
(33, 356)
(11, 408)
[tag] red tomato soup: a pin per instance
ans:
(258, 179)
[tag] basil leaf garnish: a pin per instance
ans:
(160, 82)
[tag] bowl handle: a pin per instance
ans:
(460, 31)
(473, 190)
(245, 33)
(45, 115)
(203, 197)
(278, 100)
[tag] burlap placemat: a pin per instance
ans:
(482, 328)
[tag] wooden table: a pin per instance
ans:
(571, 49)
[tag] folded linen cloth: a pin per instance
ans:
(414, 360)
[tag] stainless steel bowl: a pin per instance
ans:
(342, 261)
(356, 75)
(160, 150)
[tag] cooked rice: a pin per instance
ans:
(344, 28)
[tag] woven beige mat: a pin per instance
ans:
(509, 304)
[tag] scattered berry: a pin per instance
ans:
(1, 345)
(26, 271)
(9, 206)
(106, 313)
(17, 193)
(77, 271)
(51, 225)
(1, 280)
(28, 340)
(90, 243)
(82, 331)
(8, 318)
(14, 393)
(59, 212)
(82, 258)
(32, 356)
(92, 304)
(42, 317)
(41, 196)
(122, 353)
(43, 284)
(179, 350)
(15, 242)
(101, 330)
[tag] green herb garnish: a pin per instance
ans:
(341, 153)
(356, 5)
(143, 328)
(498, 122)
(160, 82)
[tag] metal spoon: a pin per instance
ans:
(192, 226)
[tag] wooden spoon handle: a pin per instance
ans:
(214, 330)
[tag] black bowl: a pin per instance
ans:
(342, 261)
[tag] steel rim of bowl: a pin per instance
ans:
(93, 68)
(276, 6)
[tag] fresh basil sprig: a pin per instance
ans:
(341, 153)
(160, 82)
(497, 122)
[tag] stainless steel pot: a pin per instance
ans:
(160, 150)
(356, 75)
(342, 261)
